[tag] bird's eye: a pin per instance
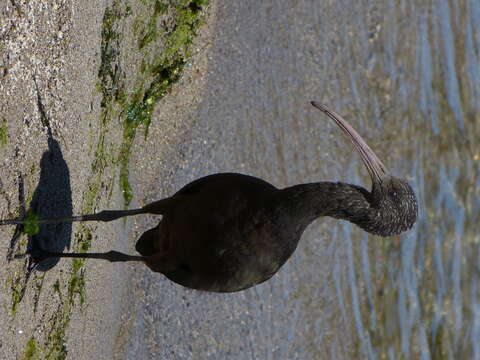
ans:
(393, 194)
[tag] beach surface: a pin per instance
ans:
(115, 104)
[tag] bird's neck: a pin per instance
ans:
(306, 202)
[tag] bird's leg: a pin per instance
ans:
(105, 215)
(112, 256)
(159, 207)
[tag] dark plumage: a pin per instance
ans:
(227, 232)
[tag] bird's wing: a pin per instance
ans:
(223, 179)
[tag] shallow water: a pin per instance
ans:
(406, 74)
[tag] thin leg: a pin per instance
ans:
(164, 206)
(112, 256)
(105, 215)
(160, 207)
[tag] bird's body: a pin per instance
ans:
(227, 232)
(237, 238)
(225, 242)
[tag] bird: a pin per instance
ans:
(227, 232)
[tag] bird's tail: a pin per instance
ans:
(145, 245)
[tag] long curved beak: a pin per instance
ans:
(375, 167)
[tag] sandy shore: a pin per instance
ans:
(52, 122)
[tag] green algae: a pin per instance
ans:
(3, 132)
(160, 74)
(17, 289)
(31, 226)
(31, 350)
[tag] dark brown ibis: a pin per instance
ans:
(227, 232)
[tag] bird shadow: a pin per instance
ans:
(52, 198)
